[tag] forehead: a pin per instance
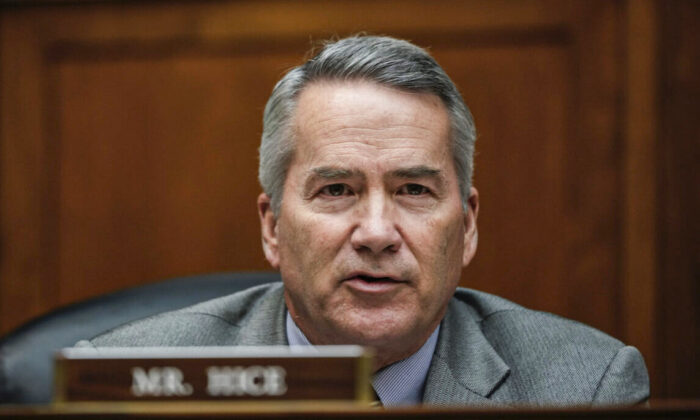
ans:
(363, 117)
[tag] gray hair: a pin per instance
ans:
(387, 61)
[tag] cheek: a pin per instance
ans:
(440, 247)
(453, 251)
(292, 234)
(308, 244)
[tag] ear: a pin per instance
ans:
(471, 234)
(268, 227)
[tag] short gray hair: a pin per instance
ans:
(388, 61)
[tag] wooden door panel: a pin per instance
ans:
(158, 168)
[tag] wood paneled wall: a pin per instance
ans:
(129, 132)
(678, 157)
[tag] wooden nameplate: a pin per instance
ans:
(323, 373)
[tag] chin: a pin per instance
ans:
(378, 330)
(376, 339)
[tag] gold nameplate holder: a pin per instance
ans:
(322, 373)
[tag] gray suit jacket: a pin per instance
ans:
(490, 351)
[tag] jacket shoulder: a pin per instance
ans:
(215, 322)
(504, 321)
(554, 360)
(501, 317)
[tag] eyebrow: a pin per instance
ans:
(419, 172)
(332, 172)
(414, 172)
(329, 173)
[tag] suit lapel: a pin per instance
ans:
(265, 323)
(465, 368)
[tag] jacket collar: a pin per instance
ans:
(465, 368)
(265, 322)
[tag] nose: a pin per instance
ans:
(376, 229)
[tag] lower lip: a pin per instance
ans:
(377, 287)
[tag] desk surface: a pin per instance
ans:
(305, 410)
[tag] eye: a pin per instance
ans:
(413, 189)
(335, 190)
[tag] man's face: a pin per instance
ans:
(371, 235)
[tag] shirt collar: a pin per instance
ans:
(400, 383)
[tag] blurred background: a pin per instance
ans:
(129, 134)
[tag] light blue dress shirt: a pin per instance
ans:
(400, 383)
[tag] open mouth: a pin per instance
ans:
(366, 283)
(371, 279)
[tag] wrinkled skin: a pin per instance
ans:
(372, 235)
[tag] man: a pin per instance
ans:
(369, 214)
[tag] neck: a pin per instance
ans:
(384, 355)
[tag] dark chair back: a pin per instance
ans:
(26, 354)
